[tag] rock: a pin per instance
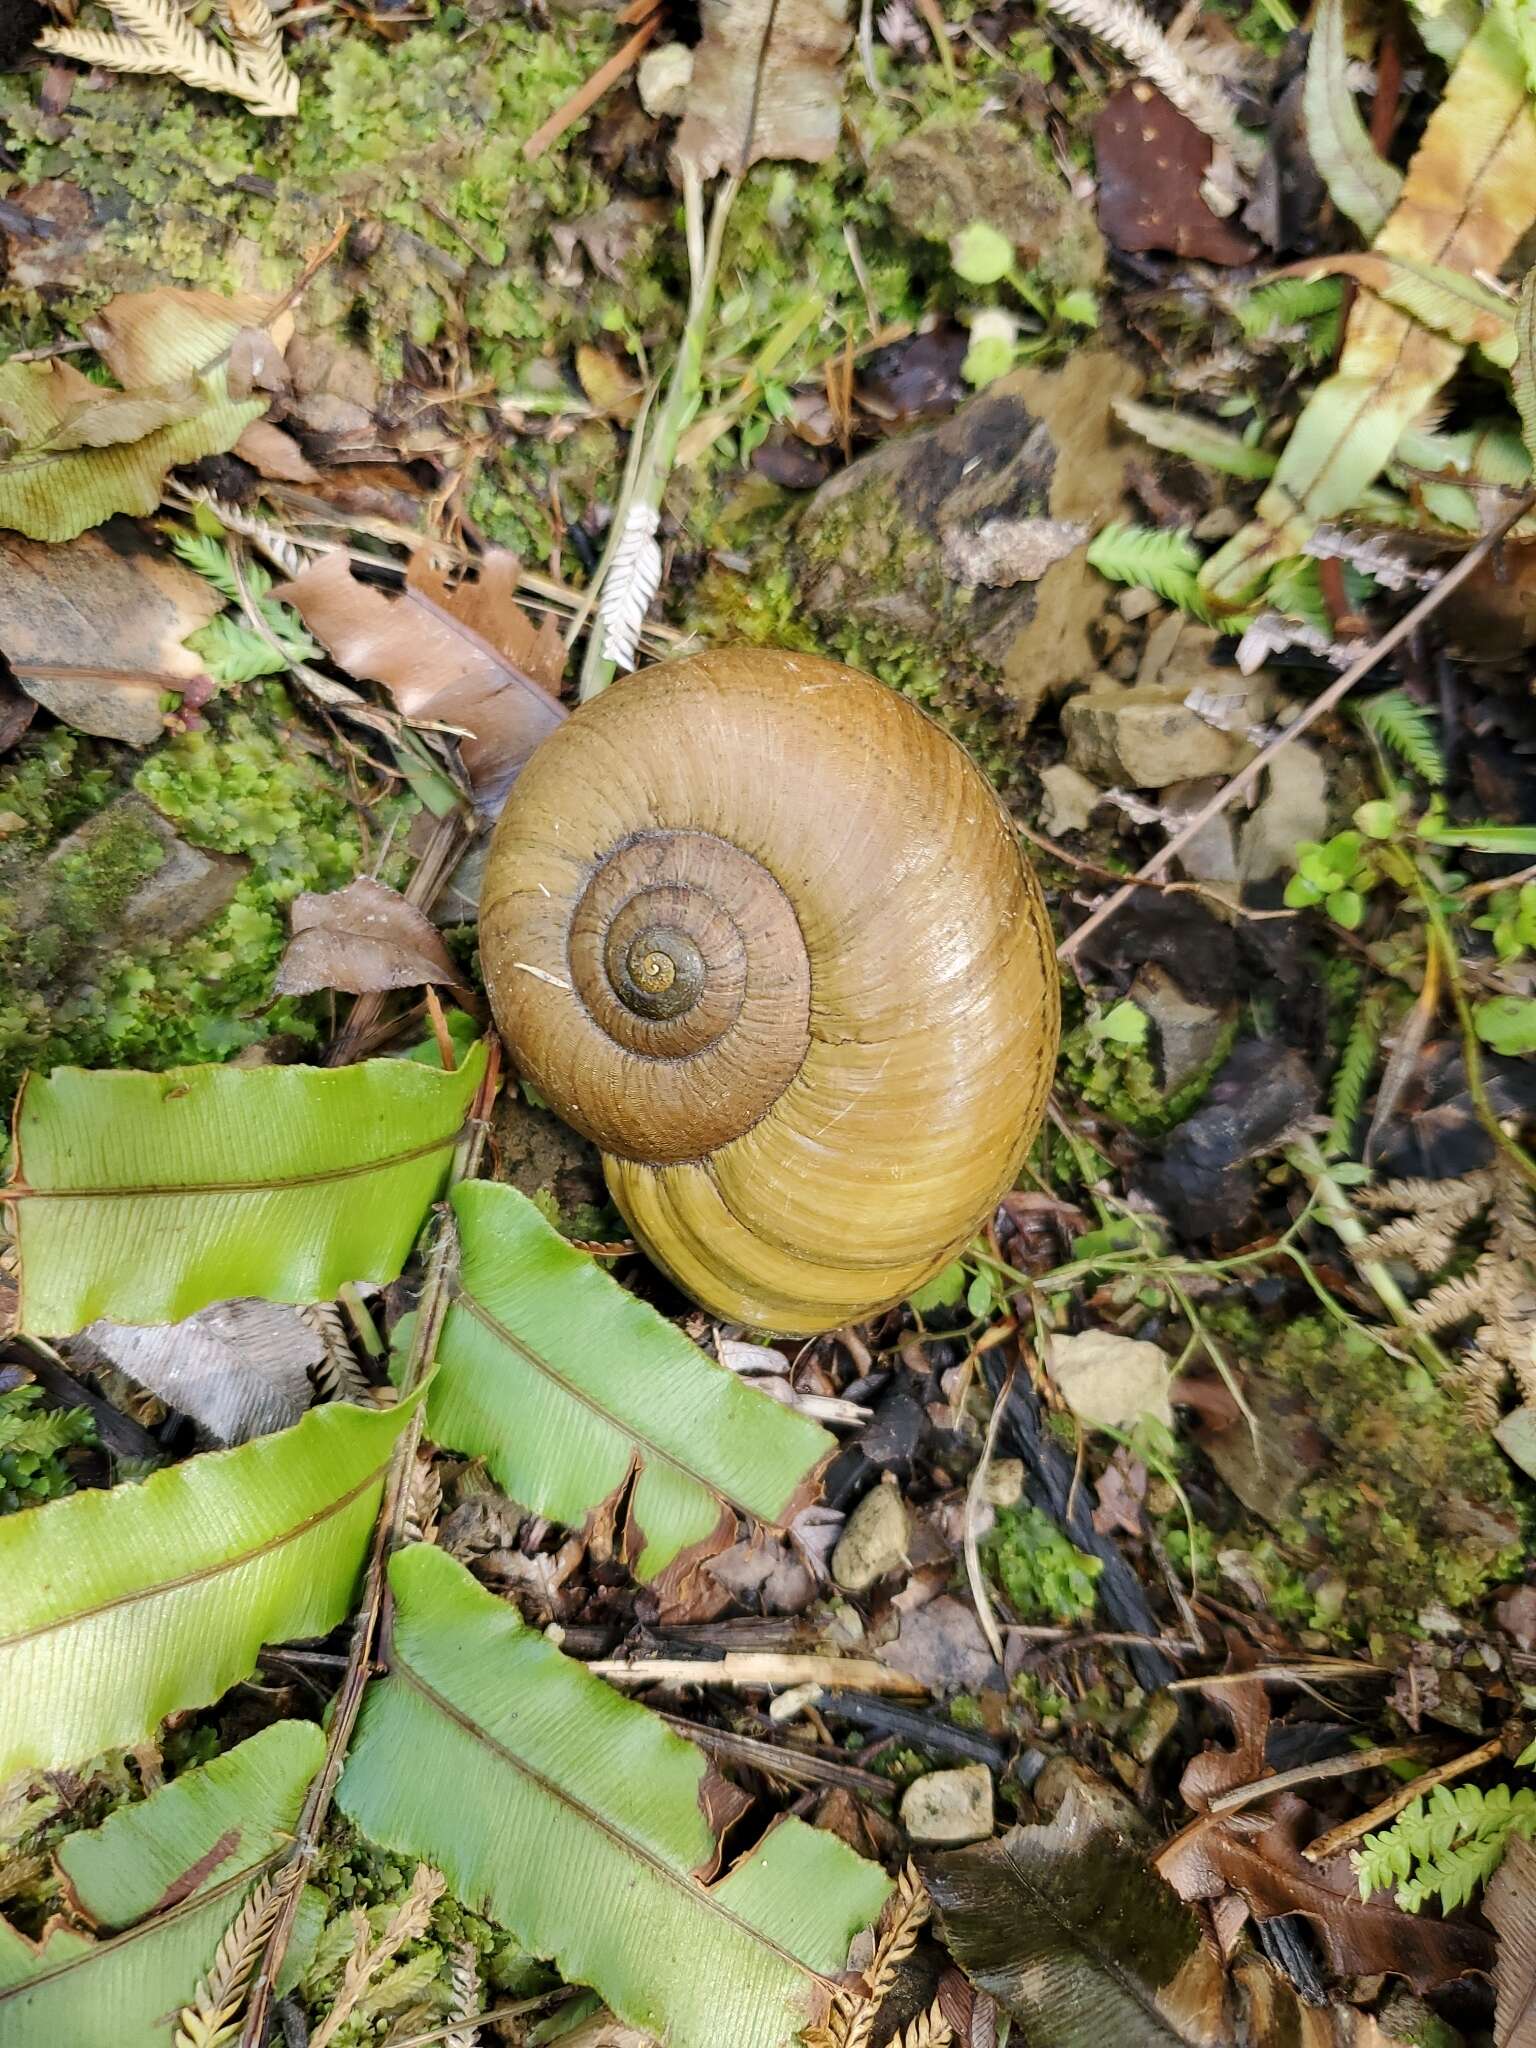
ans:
(1003, 1486)
(178, 889)
(1004, 552)
(1037, 450)
(873, 1542)
(1295, 808)
(1069, 799)
(943, 1648)
(663, 79)
(946, 1808)
(1106, 1378)
(1144, 737)
(1189, 1033)
(1211, 856)
(950, 174)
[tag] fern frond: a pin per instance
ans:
(338, 1375)
(1287, 302)
(1404, 727)
(1427, 1242)
(468, 1997)
(1444, 1848)
(633, 579)
(161, 42)
(1357, 1063)
(1479, 1378)
(1137, 37)
(406, 1924)
(213, 2017)
(1456, 1201)
(259, 41)
(929, 2030)
(1154, 558)
(1453, 1302)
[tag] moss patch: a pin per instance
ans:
(246, 785)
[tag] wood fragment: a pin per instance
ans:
(586, 97)
(1308, 1774)
(1366, 1823)
(749, 1668)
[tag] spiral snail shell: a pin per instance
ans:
(753, 924)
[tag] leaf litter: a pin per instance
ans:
(1363, 1536)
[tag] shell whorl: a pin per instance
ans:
(758, 928)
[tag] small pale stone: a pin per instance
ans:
(1295, 808)
(1107, 1378)
(663, 79)
(1069, 799)
(1003, 1486)
(949, 1807)
(874, 1541)
(1189, 1033)
(1144, 738)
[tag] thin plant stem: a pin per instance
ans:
(683, 391)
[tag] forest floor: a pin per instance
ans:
(1110, 424)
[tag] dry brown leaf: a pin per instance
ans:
(155, 337)
(239, 1368)
(274, 454)
(1511, 1905)
(746, 102)
(467, 657)
(93, 630)
(362, 939)
(1258, 1855)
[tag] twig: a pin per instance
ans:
(1351, 1830)
(775, 1760)
(1336, 691)
(562, 1994)
(765, 1668)
(1101, 873)
(1307, 1774)
(973, 1504)
(431, 1310)
(586, 97)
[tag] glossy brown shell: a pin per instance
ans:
(763, 932)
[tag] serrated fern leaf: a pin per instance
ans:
(1286, 303)
(1154, 558)
(1357, 1063)
(1445, 1848)
(1403, 726)
(1361, 184)
(576, 1817)
(160, 41)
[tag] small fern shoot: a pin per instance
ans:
(1154, 558)
(1446, 1847)
(1357, 1063)
(1404, 728)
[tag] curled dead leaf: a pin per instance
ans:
(362, 939)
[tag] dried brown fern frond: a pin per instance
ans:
(851, 2023)
(213, 2017)
(161, 42)
(929, 2030)
(406, 1924)
(338, 1376)
(468, 1998)
(1494, 1297)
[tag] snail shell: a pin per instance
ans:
(753, 924)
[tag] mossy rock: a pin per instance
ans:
(143, 897)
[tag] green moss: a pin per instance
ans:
(246, 785)
(1121, 1079)
(1045, 1577)
(1414, 1505)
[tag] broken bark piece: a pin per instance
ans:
(1151, 161)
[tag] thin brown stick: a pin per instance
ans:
(587, 96)
(1245, 778)
(768, 1669)
(1351, 1830)
(1308, 1774)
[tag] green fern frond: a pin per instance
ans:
(1357, 1063)
(1154, 558)
(210, 558)
(1446, 1847)
(1404, 727)
(1287, 303)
